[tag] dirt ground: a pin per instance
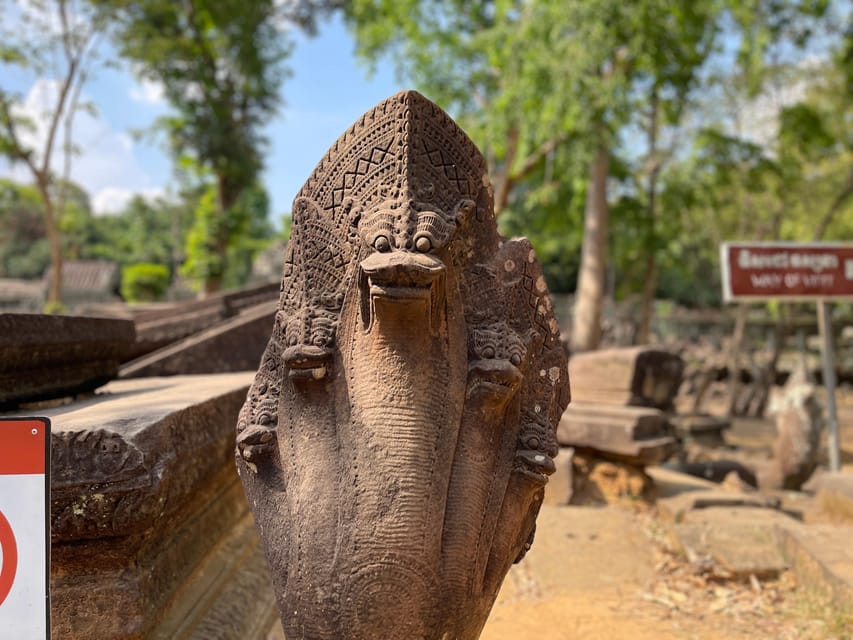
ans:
(608, 573)
(614, 573)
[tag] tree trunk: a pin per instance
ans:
(650, 283)
(502, 178)
(227, 195)
(586, 328)
(212, 284)
(648, 299)
(54, 280)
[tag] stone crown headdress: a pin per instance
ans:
(431, 160)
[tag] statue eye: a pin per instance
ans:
(382, 244)
(489, 352)
(515, 359)
(423, 244)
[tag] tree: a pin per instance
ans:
(220, 65)
(249, 233)
(150, 230)
(529, 78)
(24, 252)
(144, 282)
(51, 38)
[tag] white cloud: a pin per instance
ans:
(759, 120)
(147, 92)
(114, 199)
(106, 165)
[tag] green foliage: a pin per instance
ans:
(796, 185)
(247, 228)
(24, 252)
(802, 131)
(50, 40)
(252, 234)
(286, 226)
(549, 212)
(149, 231)
(220, 64)
(144, 282)
(203, 258)
(54, 307)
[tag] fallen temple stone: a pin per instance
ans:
(157, 329)
(44, 357)
(151, 534)
(637, 376)
(400, 430)
(233, 344)
(637, 435)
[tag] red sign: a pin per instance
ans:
(9, 553)
(800, 271)
(24, 528)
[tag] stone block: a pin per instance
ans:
(678, 506)
(703, 429)
(559, 489)
(637, 435)
(234, 344)
(822, 558)
(160, 327)
(636, 376)
(743, 541)
(44, 357)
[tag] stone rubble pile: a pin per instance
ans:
(618, 415)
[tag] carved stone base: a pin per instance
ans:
(151, 533)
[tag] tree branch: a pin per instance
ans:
(74, 59)
(836, 205)
(504, 181)
(534, 158)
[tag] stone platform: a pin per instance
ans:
(755, 533)
(151, 534)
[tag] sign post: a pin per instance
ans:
(793, 271)
(824, 318)
(24, 528)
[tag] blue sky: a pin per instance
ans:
(327, 91)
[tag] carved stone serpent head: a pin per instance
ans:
(400, 430)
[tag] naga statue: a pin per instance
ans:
(400, 430)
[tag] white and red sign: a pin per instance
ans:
(24, 528)
(795, 271)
